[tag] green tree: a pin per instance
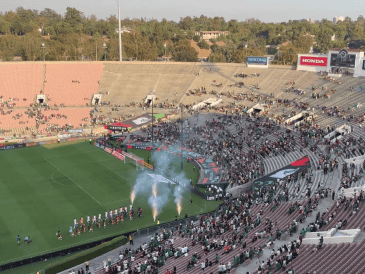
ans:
(323, 38)
(138, 46)
(196, 38)
(31, 46)
(9, 47)
(203, 45)
(74, 18)
(184, 52)
(4, 26)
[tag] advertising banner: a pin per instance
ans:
(313, 61)
(118, 155)
(3, 147)
(256, 60)
(109, 150)
(292, 169)
(31, 144)
(6, 147)
(140, 146)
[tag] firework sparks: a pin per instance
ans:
(179, 206)
(154, 190)
(154, 212)
(133, 195)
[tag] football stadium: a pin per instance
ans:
(203, 166)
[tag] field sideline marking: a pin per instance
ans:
(58, 182)
(73, 181)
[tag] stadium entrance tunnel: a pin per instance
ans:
(41, 99)
(256, 109)
(149, 100)
(96, 99)
(300, 118)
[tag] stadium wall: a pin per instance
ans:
(202, 64)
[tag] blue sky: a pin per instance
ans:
(264, 10)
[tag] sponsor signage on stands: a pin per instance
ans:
(109, 150)
(6, 147)
(75, 130)
(256, 60)
(31, 144)
(313, 61)
(116, 128)
(118, 155)
(293, 168)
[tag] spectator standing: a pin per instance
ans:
(131, 240)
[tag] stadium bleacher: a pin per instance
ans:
(20, 83)
(71, 84)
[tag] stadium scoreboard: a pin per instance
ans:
(343, 59)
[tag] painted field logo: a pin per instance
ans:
(141, 120)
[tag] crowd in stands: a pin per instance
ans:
(217, 242)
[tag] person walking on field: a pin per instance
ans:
(131, 240)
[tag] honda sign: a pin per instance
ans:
(313, 61)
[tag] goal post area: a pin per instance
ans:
(128, 160)
(123, 156)
(137, 161)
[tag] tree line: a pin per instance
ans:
(73, 36)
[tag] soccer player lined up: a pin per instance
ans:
(80, 227)
(112, 216)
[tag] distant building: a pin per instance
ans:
(214, 34)
(306, 20)
(338, 18)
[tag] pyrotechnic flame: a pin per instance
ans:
(154, 212)
(154, 190)
(133, 195)
(179, 206)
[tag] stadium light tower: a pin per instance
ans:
(120, 34)
(105, 47)
(43, 46)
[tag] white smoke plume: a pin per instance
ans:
(163, 163)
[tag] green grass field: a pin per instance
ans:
(44, 189)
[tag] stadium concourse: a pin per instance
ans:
(266, 121)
